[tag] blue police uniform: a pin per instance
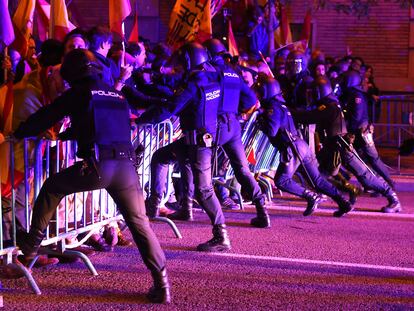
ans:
(197, 105)
(100, 125)
(355, 103)
(277, 123)
(330, 121)
(238, 97)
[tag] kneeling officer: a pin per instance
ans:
(100, 125)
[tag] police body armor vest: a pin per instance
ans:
(111, 118)
(337, 126)
(231, 91)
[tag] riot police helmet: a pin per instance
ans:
(267, 88)
(214, 47)
(79, 64)
(295, 62)
(192, 55)
(352, 78)
(321, 88)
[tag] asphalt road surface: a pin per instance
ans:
(363, 261)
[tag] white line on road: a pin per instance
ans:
(316, 262)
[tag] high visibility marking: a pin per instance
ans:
(316, 262)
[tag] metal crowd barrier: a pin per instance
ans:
(394, 121)
(267, 157)
(150, 138)
(80, 214)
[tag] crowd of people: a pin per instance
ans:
(65, 89)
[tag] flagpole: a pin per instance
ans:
(268, 67)
(123, 44)
(5, 69)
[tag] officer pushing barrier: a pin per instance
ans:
(100, 125)
(330, 120)
(277, 123)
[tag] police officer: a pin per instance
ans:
(196, 104)
(277, 123)
(296, 83)
(332, 130)
(355, 104)
(237, 97)
(100, 125)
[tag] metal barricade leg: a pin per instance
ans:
(171, 224)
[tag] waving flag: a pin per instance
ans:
(134, 36)
(6, 26)
(59, 24)
(306, 30)
(283, 35)
(23, 25)
(233, 50)
(118, 11)
(6, 114)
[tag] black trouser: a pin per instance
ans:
(160, 162)
(290, 163)
(230, 141)
(200, 161)
(119, 178)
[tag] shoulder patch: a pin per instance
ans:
(358, 100)
(321, 107)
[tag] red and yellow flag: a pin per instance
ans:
(23, 25)
(6, 27)
(134, 35)
(59, 24)
(233, 50)
(306, 29)
(118, 11)
(6, 118)
(190, 21)
(283, 35)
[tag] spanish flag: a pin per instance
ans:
(118, 11)
(59, 24)
(23, 25)
(134, 35)
(283, 35)
(6, 118)
(233, 50)
(6, 27)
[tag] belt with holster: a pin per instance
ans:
(194, 138)
(113, 152)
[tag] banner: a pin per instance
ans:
(190, 21)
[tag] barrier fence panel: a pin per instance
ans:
(150, 138)
(79, 215)
(264, 154)
(394, 121)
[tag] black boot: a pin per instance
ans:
(185, 212)
(262, 219)
(344, 206)
(29, 243)
(152, 206)
(160, 291)
(394, 205)
(219, 243)
(342, 184)
(313, 200)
